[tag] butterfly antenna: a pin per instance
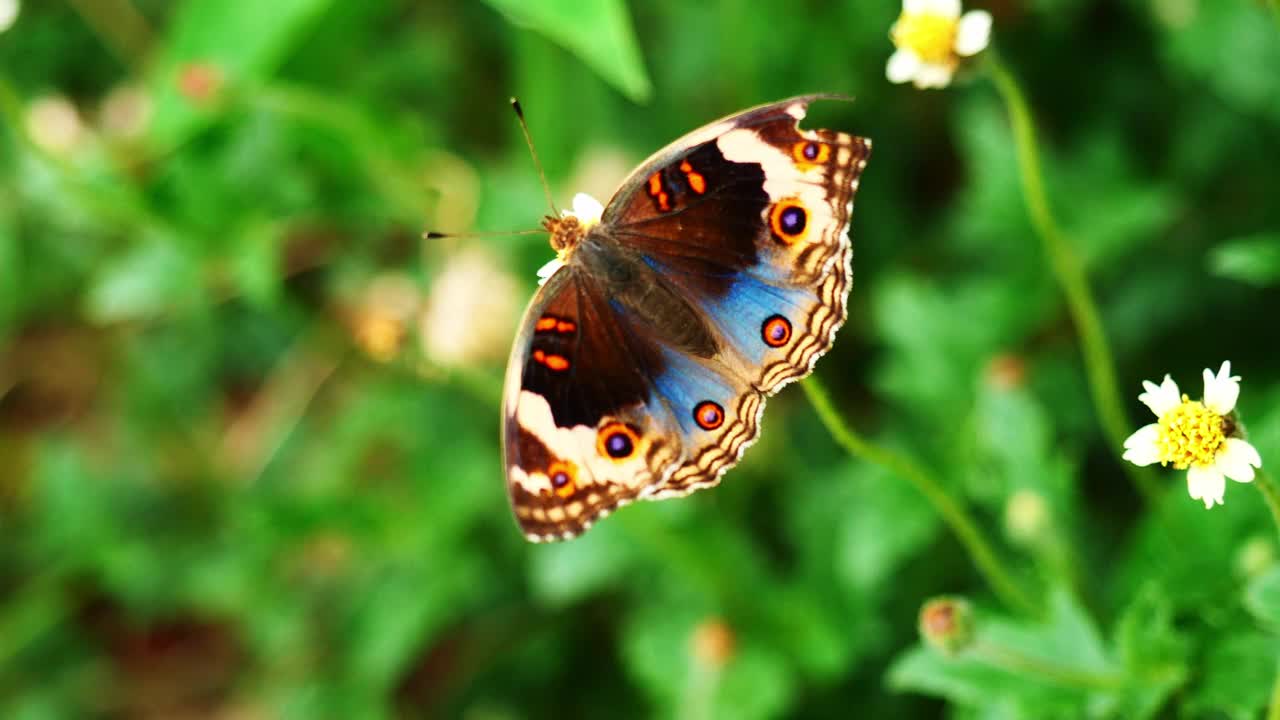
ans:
(528, 139)
(433, 235)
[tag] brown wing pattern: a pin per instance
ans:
(582, 432)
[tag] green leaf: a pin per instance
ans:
(1237, 673)
(1158, 553)
(255, 263)
(1154, 652)
(1262, 597)
(1197, 45)
(401, 610)
(934, 357)
(1112, 208)
(1254, 260)
(599, 32)
(236, 40)
(660, 649)
(882, 521)
(145, 281)
(564, 573)
(1051, 669)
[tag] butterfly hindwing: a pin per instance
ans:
(581, 435)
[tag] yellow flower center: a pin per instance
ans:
(1190, 434)
(932, 37)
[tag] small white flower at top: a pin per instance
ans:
(932, 36)
(1203, 437)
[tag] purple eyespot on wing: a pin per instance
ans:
(793, 220)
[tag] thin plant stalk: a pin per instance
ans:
(1020, 663)
(121, 27)
(1069, 271)
(1274, 712)
(953, 512)
(1270, 494)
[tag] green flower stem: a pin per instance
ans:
(1069, 271)
(952, 511)
(1022, 664)
(1271, 494)
(123, 30)
(1274, 712)
(698, 701)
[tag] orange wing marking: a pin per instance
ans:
(657, 193)
(697, 182)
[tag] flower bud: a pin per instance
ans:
(713, 643)
(1255, 556)
(946, 624)
(1026, 517)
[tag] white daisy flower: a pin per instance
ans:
(1202, 437)
(932, 36)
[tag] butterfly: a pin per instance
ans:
(717, 273)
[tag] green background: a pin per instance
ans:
(220, 499)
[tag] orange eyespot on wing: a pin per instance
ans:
(708, 415)
(788, 219)
(808, 153)
(563, 477)
(617, 441)
(776, 331)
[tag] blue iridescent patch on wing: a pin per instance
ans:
(740, 313)
(684, 383)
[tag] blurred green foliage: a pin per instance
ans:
(245, 473)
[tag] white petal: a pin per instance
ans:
(931, 75)
(587, 209)
(903, 66)
(1207, 484)
(1140, 448)
(945, 8)
(546, 271)
(1161, 399)
(1237, 460)
(973, 33)
(8, 13)
(1221, 390)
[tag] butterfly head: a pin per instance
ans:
(566, 232)
(571, 226)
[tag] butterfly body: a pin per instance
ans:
(717, 274)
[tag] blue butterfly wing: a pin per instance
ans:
(765, 264)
